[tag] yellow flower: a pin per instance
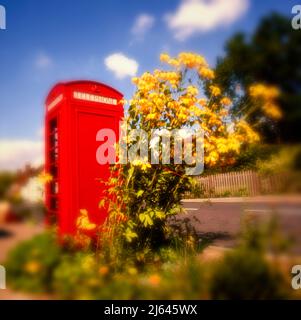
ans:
(154, 280)
(203, 102)
(103, 270)
(145, 166)
(191, 60)
(33, 267)
(137, 163)
(45, 177)
(226, 101)
(206, 73)
(83, 221)
(135, 80)
(272, 110)
(192, 90)
(182, 116)
(132, 271)
(172, 77)
(151, 116)
(216, 91)
(224, 112)
(174, 62)
(142, 164)
(123, 101)
(264, 91)
(196, 111)
(213, 157)
(173, 105)
(234, 144)
(222, 145)
(164, 57)
(250, 133)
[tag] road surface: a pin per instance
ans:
(220, 219)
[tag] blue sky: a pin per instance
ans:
(55, 40)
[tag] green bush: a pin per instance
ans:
(245, 272)
(297, 164)
(31, 264)
(284, 160)
(247, 275)
(6, 180)
(81, 277)
(77, 276)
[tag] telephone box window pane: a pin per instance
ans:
(54, 205)
(53, 125)
(53, 133)
(54, 156)
(54, 187)
(54, 140)
(54, 172)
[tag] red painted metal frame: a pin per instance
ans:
(77, 124)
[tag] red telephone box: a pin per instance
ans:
(75, 112)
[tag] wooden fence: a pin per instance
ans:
(243, 183)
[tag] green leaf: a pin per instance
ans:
(140, 193)
(160, 215)
(146, 219)
(130, 235)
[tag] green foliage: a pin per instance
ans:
(284, 160)
(142, 207)
(30, 265)
(248, 159)
(297, 162)
(6, 180)
(196, 189)
(246, 275)
(81, 277)
(271, 55)
(78, 276)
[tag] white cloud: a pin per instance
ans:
(143, 23)
(194, 16)
(43, 61)
(121, 65)
(15, 154)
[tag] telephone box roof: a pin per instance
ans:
(81, 82)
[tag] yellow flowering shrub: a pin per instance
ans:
(182, 95)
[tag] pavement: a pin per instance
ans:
(220, 220)
(10, 236)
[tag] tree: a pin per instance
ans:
(271, 55)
